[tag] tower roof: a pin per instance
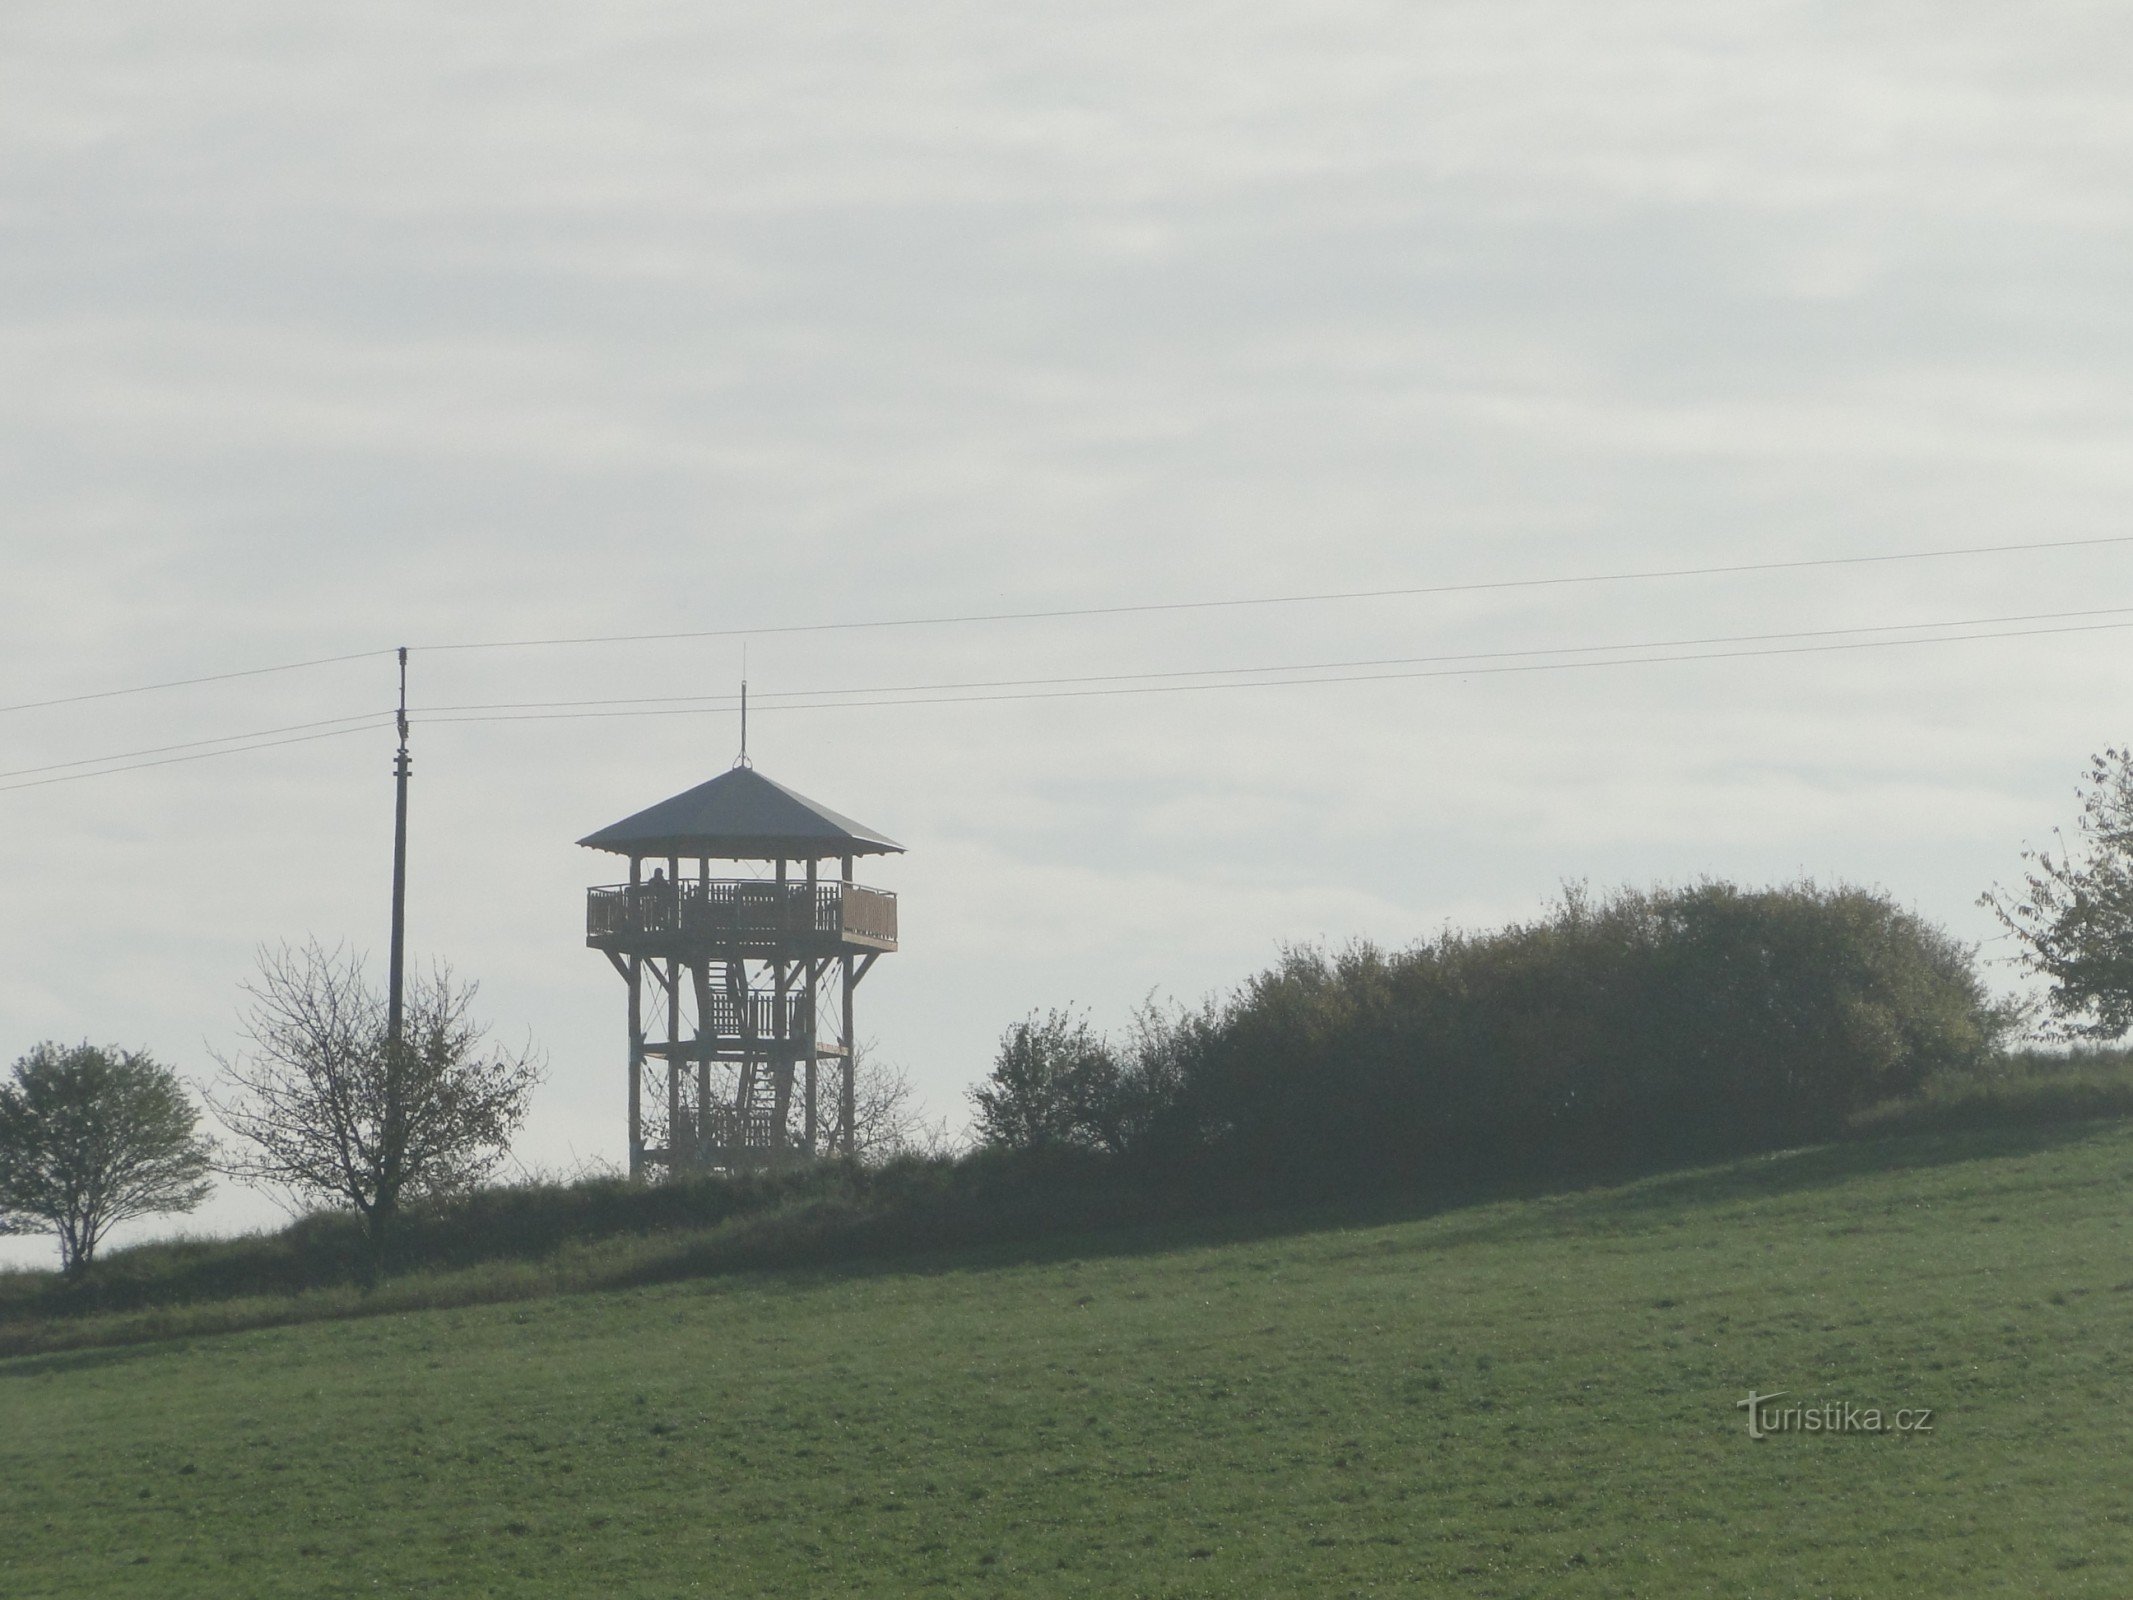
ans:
(741, 816)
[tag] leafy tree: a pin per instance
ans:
(1057, 1082)
(1161, 1051)
(2073, 916)
(90, 1137)
(1054, 1082)
(326, 1108)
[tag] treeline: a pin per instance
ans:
(1611, 1034)
(1613, 1030)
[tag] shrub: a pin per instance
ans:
(1054, 1082)
(1704, 1019)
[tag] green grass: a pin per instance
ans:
(2031, 1087)
(1525, 1398)
(525, 1241)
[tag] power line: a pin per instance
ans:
(203, 755)
(1064, 613)
(1125, 684)
(1353, 677)
(186, 683)
(725, 702)
(365, 717)
(1639, 576)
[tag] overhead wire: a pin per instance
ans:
(1290, 675)
(1141, 688)
(442, 713)
(200, 755)
(1062, 613)
(1311, 598)
(1084, 686)
(365, 717)
(187, 683)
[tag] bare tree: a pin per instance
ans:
(92, 1137)
(327, 1110)
(888, 1119)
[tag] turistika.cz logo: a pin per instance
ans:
(1766, 1417)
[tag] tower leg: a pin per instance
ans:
(811, 972)
(846, 1107)
(782, 1030)
(811, 1056)
(676, 1139)
(636, 975)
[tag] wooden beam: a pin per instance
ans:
(636, 977)
(845, 1088)
(674, 1137)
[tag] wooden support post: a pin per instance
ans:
(635, 974)
(781, 1049)
(676, 1142)
(847, 1087)
(700, 971)
(847, 1084)
(810, 1041)
(636, 977)
(787, 1051)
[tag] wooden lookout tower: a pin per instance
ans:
(740, 988)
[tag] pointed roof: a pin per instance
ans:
(741, 816)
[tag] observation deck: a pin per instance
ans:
(699, 918)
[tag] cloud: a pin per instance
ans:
(330, 330)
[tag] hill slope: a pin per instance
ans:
(1524, 1398)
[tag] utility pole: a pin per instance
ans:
(396, 960)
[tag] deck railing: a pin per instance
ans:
(761, 1015)
(747, 910)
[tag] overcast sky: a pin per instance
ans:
(328, 329)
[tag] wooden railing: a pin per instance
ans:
(727, 1130)
(761, 1015)
(742, 910)
(870, 914)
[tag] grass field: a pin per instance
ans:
(1530, 1397)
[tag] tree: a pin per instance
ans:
(2073, 916)
(1054, 1082)
(887, 1118)
(91, 1137)
(326, 1109)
